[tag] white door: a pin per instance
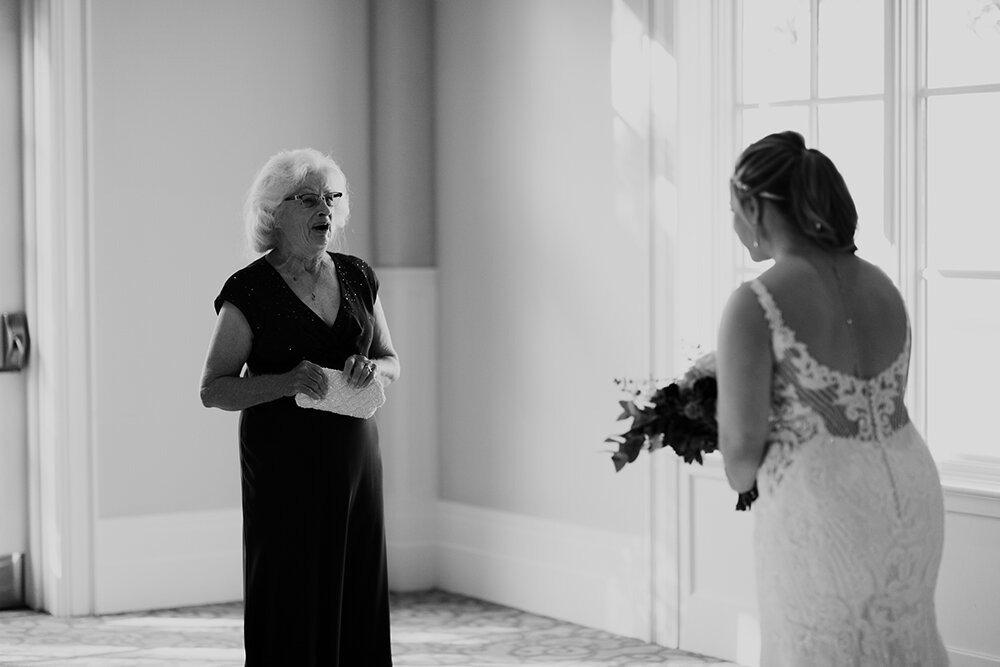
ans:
(13, 415)
(718, 599)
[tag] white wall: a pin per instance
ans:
(188, 99)
(183, 116)
(544, 292)
(543, 279)
(968, 592)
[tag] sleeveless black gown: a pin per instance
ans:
(315, 583)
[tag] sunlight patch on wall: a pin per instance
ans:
(629, 72)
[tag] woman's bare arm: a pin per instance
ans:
(382, 352)
(221, 383)
(744, 380)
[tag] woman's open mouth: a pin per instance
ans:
(323, 227)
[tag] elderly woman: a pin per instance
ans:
(314, 538)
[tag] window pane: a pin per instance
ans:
(758, 123)
(963, 42)
(851, 49)
(776, 50)
(963, 361)
(852, 136)
(963, 142)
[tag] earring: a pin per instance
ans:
(756, 239)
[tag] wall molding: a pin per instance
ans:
(592, 577)
(972, 477)
(960, 500)
(408, 426)
(967, 602)
(596, 578)
(961, 658)
(58, 297)
(160, 561)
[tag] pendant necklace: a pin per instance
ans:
(319, 276)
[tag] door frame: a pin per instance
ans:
(58, 250)
(664, 471)
(714, 613)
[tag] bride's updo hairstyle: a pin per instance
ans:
(804, 184)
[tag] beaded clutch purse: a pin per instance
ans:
(344, 399)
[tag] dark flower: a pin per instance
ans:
(679, 415)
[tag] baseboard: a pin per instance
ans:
(410, 530)
(961, 658)
(411, 566)
(161, 561)
(583, 575)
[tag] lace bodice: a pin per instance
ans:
(849, 406)
(809, 399)
(850, 519)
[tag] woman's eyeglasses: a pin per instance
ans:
(311, 199)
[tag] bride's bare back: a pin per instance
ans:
(851, 319)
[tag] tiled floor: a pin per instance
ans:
(431, 628)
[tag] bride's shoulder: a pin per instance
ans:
(792, 282)
(746, 308)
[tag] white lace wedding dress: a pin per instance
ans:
(850, 518)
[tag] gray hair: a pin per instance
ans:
(281, 175)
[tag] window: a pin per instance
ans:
(818, 67)
(960, 227)
(905, 98)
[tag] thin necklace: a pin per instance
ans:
(319, 276)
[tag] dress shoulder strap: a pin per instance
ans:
(767, 304)
(781, 336)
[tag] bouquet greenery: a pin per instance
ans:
(679, 415)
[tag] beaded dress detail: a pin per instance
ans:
(850, 519)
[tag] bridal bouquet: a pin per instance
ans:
(679, 415)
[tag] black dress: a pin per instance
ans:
(315, 585)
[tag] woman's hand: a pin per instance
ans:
(360, 370)
(306, 378)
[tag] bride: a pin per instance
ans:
(812, 368)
